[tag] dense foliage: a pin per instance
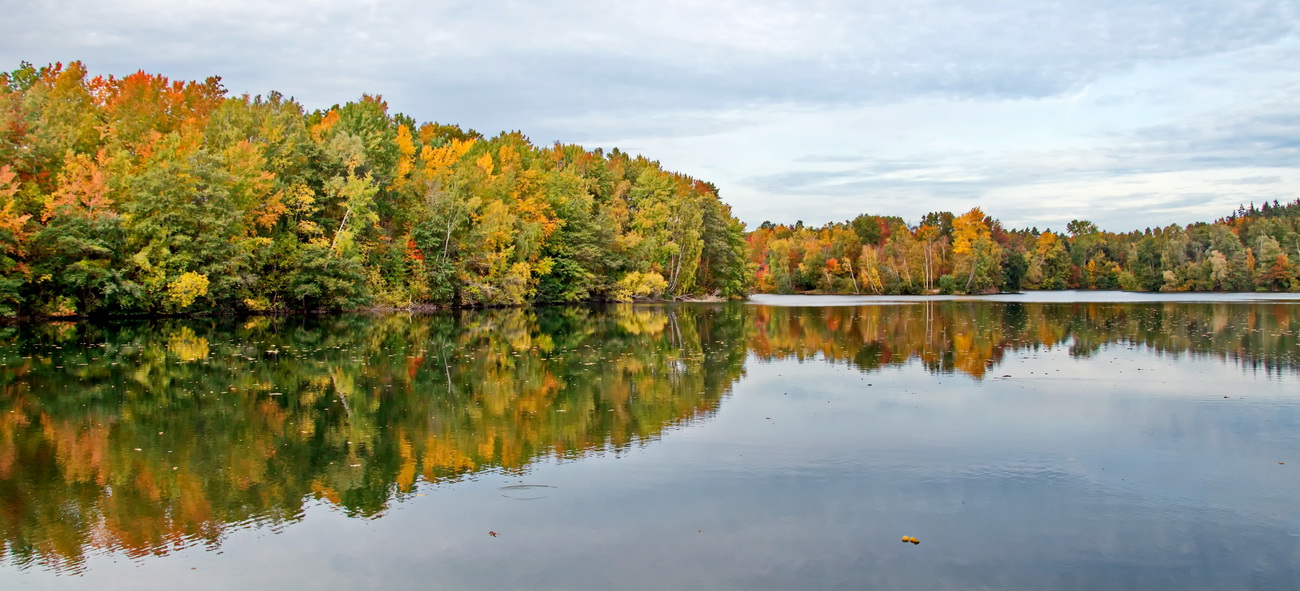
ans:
(1252, 249)
(142, 194)
(145, 195)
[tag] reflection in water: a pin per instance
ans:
(973, 337)
(141, 438)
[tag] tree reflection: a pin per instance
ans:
(139, 438)
(143, 438)
(972, 337)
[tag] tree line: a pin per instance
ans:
(146, 195)
(151, 196)
(1252, 249)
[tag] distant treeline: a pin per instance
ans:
(146, 195)
(1249, 250)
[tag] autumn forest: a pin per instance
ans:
(147, 195)
(150, 196)
(1252, 249)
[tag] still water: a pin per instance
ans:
(1032, 442)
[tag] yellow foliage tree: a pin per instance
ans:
(188, 287)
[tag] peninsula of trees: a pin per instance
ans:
(1252, 249)
(151, 196)
(146, 195)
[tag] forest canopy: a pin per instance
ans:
(147, 195)
(1252, 249)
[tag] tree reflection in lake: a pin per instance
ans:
(972, 337)
(140, 438)
(146, 437)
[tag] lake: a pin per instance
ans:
(1042, 441)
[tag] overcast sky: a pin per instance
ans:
(1131, 113)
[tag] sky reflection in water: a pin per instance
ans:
(1037, 445)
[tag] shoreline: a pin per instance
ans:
(1034, 296)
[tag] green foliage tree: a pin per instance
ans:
(1252, 249)
(119, 194)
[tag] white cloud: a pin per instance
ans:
(797, 110)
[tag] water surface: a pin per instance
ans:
(771, 445)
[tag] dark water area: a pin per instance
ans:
(787, 443)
